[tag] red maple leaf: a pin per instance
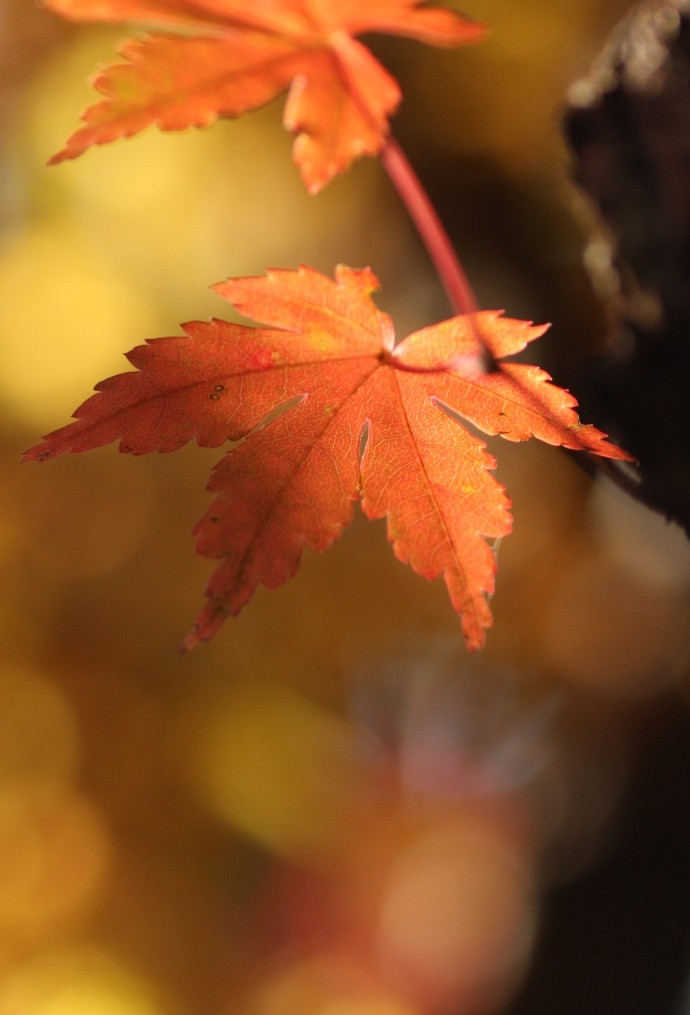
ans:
(302, 397)
(242, 55)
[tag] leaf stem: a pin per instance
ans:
(454, 279)
(430, 228)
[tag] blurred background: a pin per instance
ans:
(332, 809)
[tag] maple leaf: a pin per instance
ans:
(244, 53)
(302, 394)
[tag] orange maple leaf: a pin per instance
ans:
(243, 54)
(303, 396)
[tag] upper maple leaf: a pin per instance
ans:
(242, 54)
(303, 396)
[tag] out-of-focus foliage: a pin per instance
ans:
(233, 58)
(332, 809)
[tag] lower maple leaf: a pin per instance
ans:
(302, 395)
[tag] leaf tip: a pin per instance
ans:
(211, 618)
(476, 31)
(39, 453)
(190, 642)
(475, 625)
(364, 279)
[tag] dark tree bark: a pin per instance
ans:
(628, 128)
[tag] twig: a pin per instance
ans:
(430, 228)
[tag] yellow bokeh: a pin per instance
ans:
(66, 320)
(273, 764)
(39, 747)
(76, 982)
(55, 857)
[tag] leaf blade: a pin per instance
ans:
(432, 480)
(175, 82)
(289, 486)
